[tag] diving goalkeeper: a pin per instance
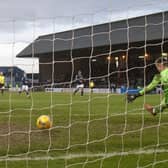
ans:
(162, 78)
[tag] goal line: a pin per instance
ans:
(88, 155)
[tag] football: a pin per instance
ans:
(44, 122)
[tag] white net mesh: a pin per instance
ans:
(100, 128)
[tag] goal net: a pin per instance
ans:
(78, 75)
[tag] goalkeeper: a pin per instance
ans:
(162, 66)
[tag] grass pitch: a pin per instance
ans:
(96, 130)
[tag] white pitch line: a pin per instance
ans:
(89, 155)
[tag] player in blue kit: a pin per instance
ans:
(25, 86)
(79, 83)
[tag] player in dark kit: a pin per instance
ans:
(79, 83)
(25, 85)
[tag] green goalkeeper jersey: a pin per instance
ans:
(156, 80)
(164, 80)
(161, 78)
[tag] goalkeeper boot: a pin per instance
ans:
(150, 109)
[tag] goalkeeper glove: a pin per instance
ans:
(132, 97)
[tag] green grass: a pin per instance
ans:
(97, 130)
